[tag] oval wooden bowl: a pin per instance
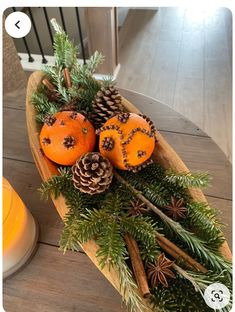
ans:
(164, 154)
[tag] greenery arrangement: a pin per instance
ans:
(144, 220)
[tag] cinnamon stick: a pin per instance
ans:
(67, 78)
(49, 85)
(178, 253)
(137, 265)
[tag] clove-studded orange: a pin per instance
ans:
(66, 136)
(127, 140)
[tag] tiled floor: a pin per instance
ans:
(182, 57)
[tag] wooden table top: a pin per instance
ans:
(53, 282)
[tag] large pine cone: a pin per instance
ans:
(92, 173)
(107, 103)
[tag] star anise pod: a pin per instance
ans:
(159, 271)
(176, 209)
(138, 208)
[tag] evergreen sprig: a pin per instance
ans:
(68, 238)
(64, 50)
(153, 192)
(94, 61)
(178, 297)
(57, 184)
(129, 289)
(111, 244)
(91, 224)
(110, 221)
(143, 230)
(56, 76)
(203, 220)
(188, 179)
(43, 106)
(82, 80)
(198, 248)
(84, 85)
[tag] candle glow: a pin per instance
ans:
(19, 230)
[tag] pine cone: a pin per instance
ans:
(107, 103)
(92, 173)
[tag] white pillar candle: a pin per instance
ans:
(19, 231)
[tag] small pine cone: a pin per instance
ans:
(92, 173)
(107, 103)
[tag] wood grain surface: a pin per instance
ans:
(182, 56)
(195, 148)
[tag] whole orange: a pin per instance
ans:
(66, 136)
(127, 140)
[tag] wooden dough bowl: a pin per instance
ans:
(164, 154)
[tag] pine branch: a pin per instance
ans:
(64, 50)
(151, 181)
(80, 72)
(56, 76)
(116, 201)
(62, 185)
(108, 81)
(186, 292)
(154, 173)
(188, 179)
(202, 219)
(43, 106)
(207, 211)
(143, 230)
(60, 85)
(180, 296)
(57, 184)
(129, 289)
(91, 224)
(68, 238)
(96, 59)
(52, 73)
(77, 228)
(155, 193)
(111, 244)
(58, 29)
(86, 85)
(109, 224)
(201, 281)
